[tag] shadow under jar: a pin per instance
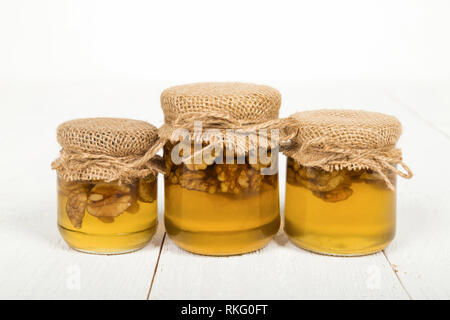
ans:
(107, 217)
(106, 195)
(341, 178)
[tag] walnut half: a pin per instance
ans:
(331, 186)
(147, 189)
(108, 200)
(336, 195)
(76, 204)
(213, 177)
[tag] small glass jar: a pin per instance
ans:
(106, 186)
(220, 209)
(341, 178)
(108, 218)
(343, 212)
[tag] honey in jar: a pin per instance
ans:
(220, 209)
(217, 206)
(106, 195)
(107, 217)
(341, 212)
(340, 189)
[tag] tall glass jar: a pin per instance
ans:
(107, 184)
(220, 207)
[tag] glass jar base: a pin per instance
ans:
(339, 253)
(107, 244)
(105, 253)
(223, 243)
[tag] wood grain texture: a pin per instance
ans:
(36, 263)
(430, 102)
(280, 271)
(420, 252)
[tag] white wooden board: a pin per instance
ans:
(36, 263)
(421, 251)
(280, 271)
(295, 274)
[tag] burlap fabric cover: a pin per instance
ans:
(221, 105)
(352, 139)
(242, 102)
(106, 149)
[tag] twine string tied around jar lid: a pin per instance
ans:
(106, 149)
(246, 137)
(248, 109)
(318, 152)
(348, 139)
(120, 168)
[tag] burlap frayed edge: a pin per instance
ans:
(248, 136)
(85, 167)
(78, 166)
(317, 153)
(313, 153)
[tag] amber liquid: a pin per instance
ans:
(359, 224)
(221, 224)
(362, 224)
(129, 231)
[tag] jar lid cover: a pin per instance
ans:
(239, 101)
(348, 128)
(107, 136)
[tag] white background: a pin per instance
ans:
(67, 59)
(322, 40)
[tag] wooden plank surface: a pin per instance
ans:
(281, 270)
(430, 102)
(35, 262)
(420, 252)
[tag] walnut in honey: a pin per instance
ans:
(96, 216)
(340, 181)
(106, 195)
(214, 206)
(234, 201)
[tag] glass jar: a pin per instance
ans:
(220, 209)
(108, 218)
(218, 206)
(107, 181)
(342, 212)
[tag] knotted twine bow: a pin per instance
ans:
(319, 152)
(73, 166)
(246, 137)
(79, 166)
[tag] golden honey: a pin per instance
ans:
(107, 218)
(341, 213)
(220, 209)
